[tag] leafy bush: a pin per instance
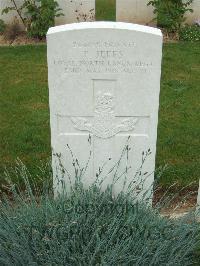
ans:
(42, 17)
(90, 227)
(190, 33)
(36, 15)
(2, 26)
(170, 13)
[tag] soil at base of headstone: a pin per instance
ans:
(179, 200)
(21, 39)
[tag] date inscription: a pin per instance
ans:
(101, 60)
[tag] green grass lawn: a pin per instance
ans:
(24, 113)
(105, 10)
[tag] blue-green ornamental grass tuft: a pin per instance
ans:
(89, 227)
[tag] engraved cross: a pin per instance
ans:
(104, 124)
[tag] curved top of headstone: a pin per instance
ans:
(104, 25)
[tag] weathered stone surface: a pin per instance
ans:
(135, 11)
(76, 11)
(104, 81)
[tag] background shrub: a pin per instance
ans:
(170, 13)
(41, 17)
(36, 15)
(190, 33)
(2, 26)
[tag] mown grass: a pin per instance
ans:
(178, 142)
(105, 10)
(24, 112)
(25, 129)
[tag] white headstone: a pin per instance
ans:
(76, 11)
(135, 11)
(104, 80)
